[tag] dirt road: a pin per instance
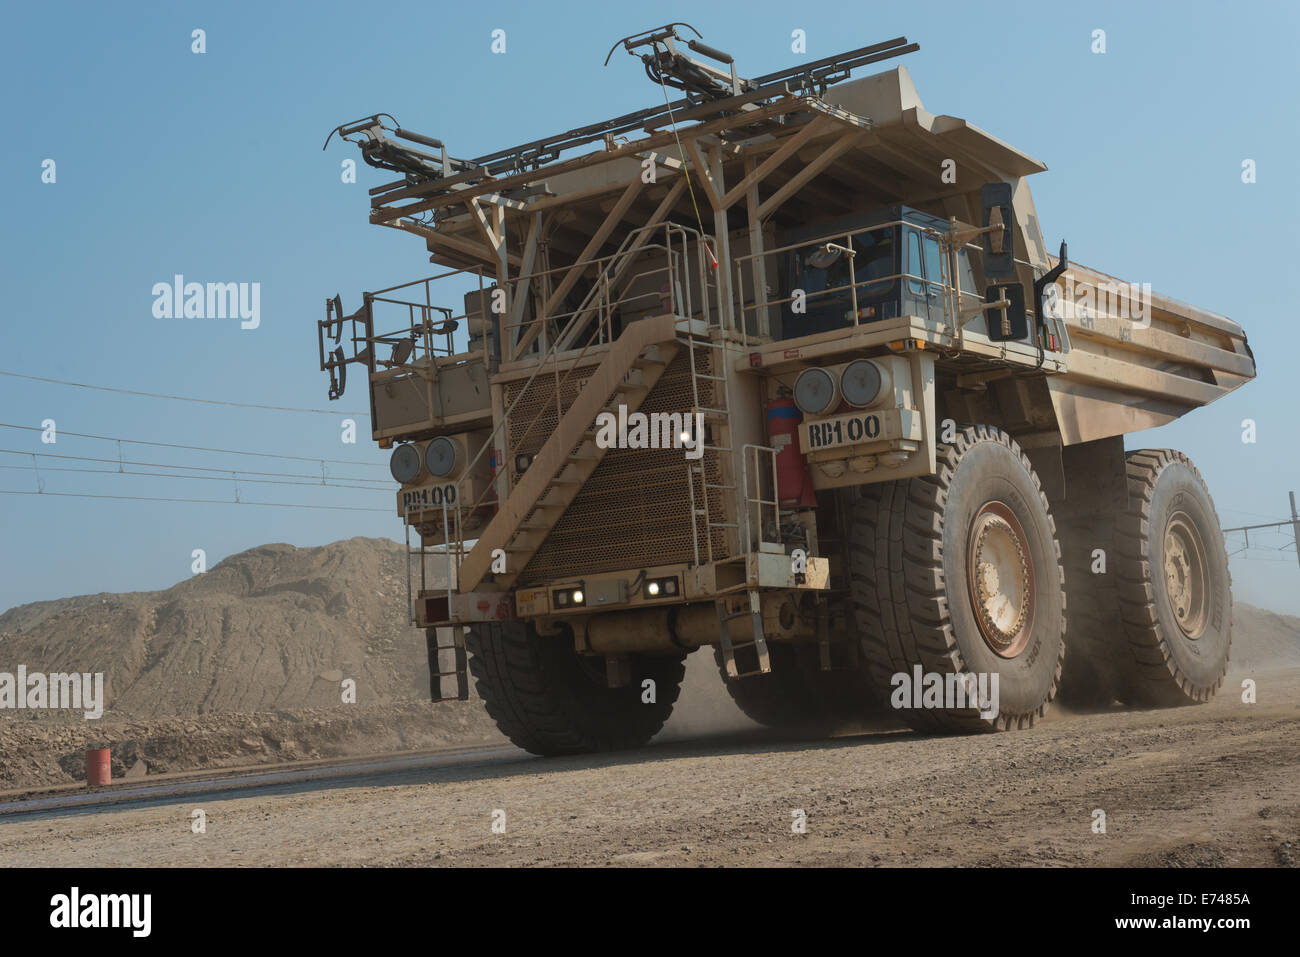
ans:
(1203, 786)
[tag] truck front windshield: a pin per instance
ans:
(874, 260)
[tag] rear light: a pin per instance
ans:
(568, 598)
(662, 588)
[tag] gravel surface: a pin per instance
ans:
(1212, 785)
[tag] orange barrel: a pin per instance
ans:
(99, 767)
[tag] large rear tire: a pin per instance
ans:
(1096, 652)
(798, 696)
(959, 573)
(549, 700)
(1173, 583)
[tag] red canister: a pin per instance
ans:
(99, 767)
(794, 481)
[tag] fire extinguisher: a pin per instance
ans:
(793, 479)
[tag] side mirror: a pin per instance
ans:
(1009, 323)
(999, 248)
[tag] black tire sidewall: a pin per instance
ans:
(992, 471)
(1202, 660)
(579, 687)
(548, 702)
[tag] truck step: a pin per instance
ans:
(755, 641)
(440, 686)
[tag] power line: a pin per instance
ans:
(201, 501)
(177, 398)
(1294, 525)
(196, 448)
(206, 478)
(380, 483)
(1238, 511)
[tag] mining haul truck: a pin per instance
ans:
(782, 366)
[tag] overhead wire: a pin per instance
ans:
(197, 448)
(203, 501)
(178, 398)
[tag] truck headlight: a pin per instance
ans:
(441, 456)
(815, 392)
(404, 463)
(861, 383)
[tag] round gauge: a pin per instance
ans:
(815, 392)
(860, 383)
(441, 455)
(405, 463)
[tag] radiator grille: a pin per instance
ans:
(635, 510)
(522, 433)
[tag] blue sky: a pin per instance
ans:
(210, 166)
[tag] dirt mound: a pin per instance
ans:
(1263, 640)
(272, 628)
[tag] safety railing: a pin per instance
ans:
(416, 332)
(754, 531)
(423, 553)
(429, 328)
(684, 291)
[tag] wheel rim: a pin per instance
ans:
(1000, 581)
(1187, 576)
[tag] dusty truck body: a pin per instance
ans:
(782, 367)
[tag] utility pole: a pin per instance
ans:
(1295, 527)
(1294, 523)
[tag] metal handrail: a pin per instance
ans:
(424, 326)
(757, 500)
(603, 278)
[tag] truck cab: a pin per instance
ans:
(895, 269)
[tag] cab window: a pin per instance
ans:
(933, 267)
(915, 264)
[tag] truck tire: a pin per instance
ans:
(1096, 650)
(798, 696)
(1174, 587)
(775, 700)
(549, 700)
(926, 556)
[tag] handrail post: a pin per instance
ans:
(853, 276)
(410, 605)
(446, 547)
